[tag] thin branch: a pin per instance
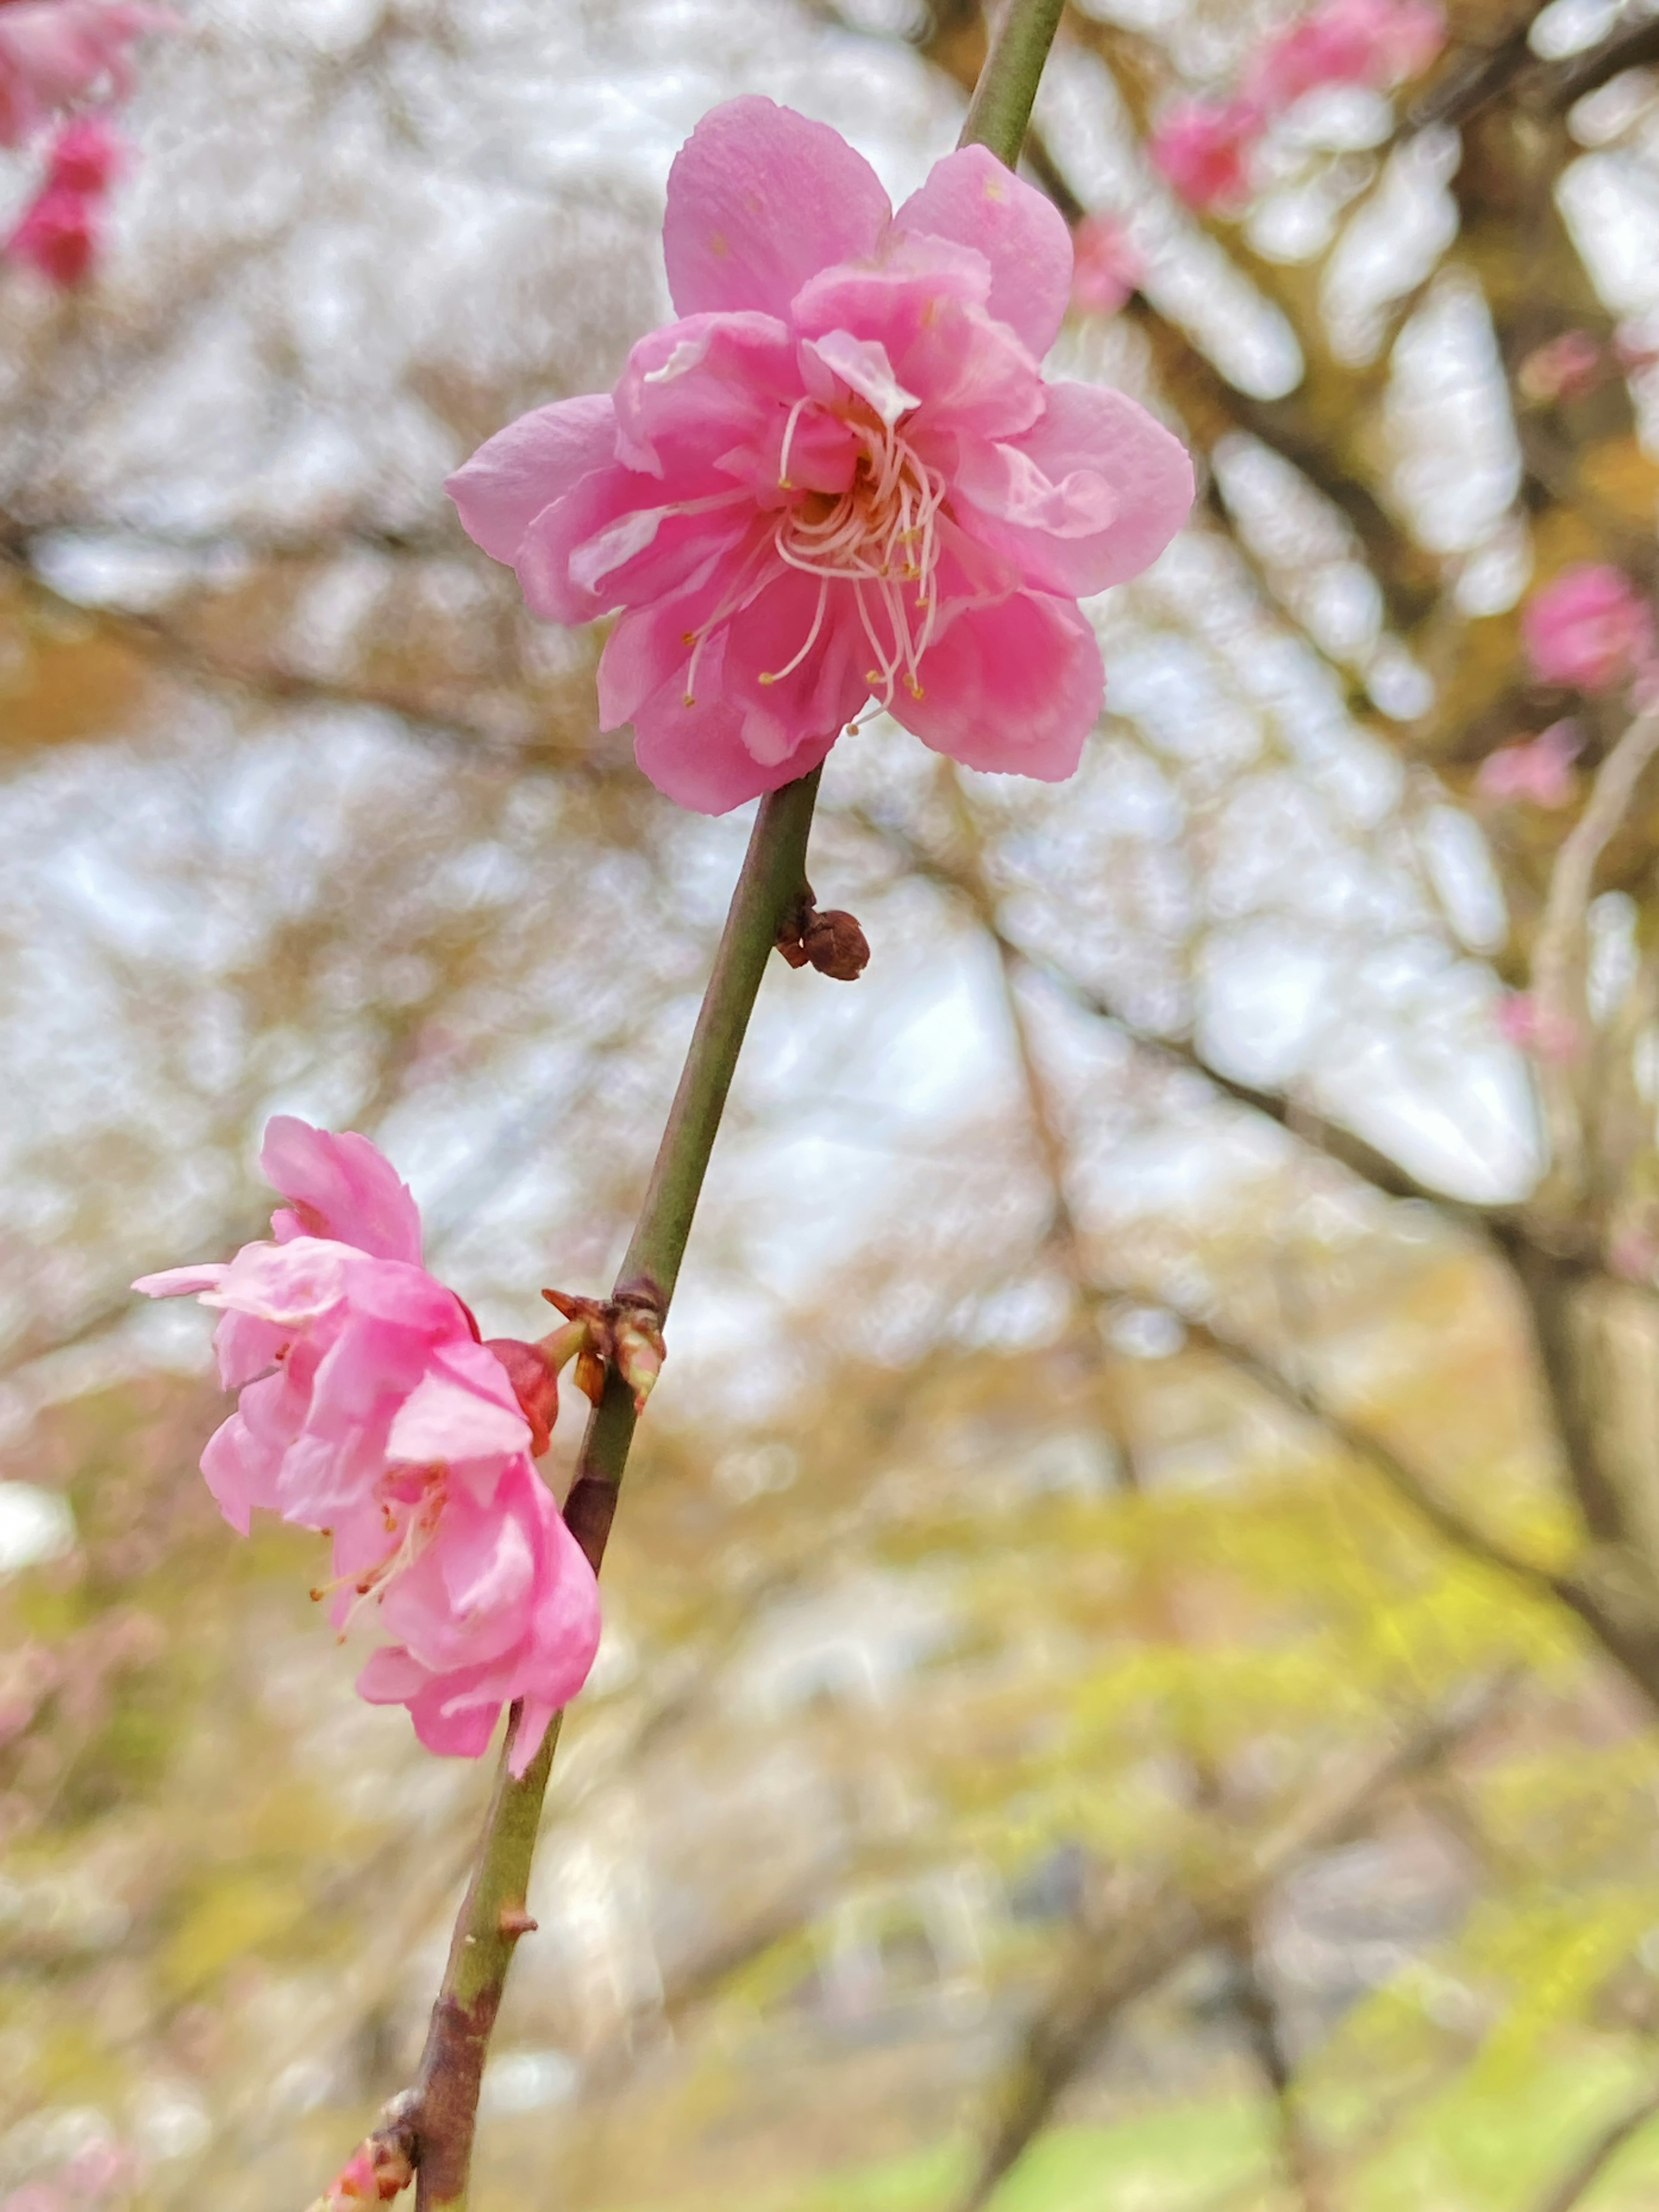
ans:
(1632, 43)
(1558, 968)
(492, 1918)
(1588, 2168)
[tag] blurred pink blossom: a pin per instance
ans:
(1371, 42)
(1540, 769)
(1588, 627)
(57, 236)
(85, 156)
(55, 52)
(1105, 266)
(1566, 368)
(1203, 147)
(839, 474)
(370, 1410)
(1537, 1029)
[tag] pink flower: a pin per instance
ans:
(495, 1602)
(1537, 1029)
(57, 236)
(1540, 769)
(369, 1409)
(1105, 267)
(1204, 145)
(85, 156)
(1566, 368)
(840, 473)
(1588, 627)
(54, 51)
(1372, 42)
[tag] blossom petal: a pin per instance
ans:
(1015, 687)
(1090, 495)
(754, 723)
(443, 1420)
(341, 1187)
(499, 493)
(693, 390)
(182, 1282)
(971, 198)
(760, 199)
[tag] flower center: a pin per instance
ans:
(411, 1519)
(878, 536)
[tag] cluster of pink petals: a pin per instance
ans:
(1537, 1029)
(1105, 266)
(1588, 627)
(1204, 146)
(1367, 42)
(55, 52)
(1539, 770)
(59, 229)
(370, 1411)
(840, 475)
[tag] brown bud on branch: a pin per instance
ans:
(832, 942)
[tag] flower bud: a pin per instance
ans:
(640, 1353)
(836, 946)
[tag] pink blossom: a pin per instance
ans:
(85, 156)
(489, 1603)
(370, 1410)
(1204, 146)
(1588, 627)
(1566, 368)
(1537, 1029)
(55, 52)
(1105, 267)
(839, 474)
(1540, 769)
(57, 236)
(1370, 42)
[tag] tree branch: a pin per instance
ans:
(1168, 1921)
(1591, 2163)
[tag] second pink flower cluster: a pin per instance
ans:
(1204, 146)
(372, 1412)
(55, 55)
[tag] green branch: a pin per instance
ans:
(1000, 113)
(432, 2127)
(492, 1918)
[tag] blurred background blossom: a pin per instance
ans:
(1132, 1643)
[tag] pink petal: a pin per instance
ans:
(740, 736)
(1015, 687)
(760, 199)
(443, 1420)
(695, 390)
(246, 1347)
(341, 1187)
(971, 198)
(703, 764)
(240, 1468)
(1089, 495)
(499, 493)
(182, 1282)
(293, 1284)
(610, 542)
(862, 365)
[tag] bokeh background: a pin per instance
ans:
(1132, 1631)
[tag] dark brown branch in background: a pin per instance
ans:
(1262, 2020)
